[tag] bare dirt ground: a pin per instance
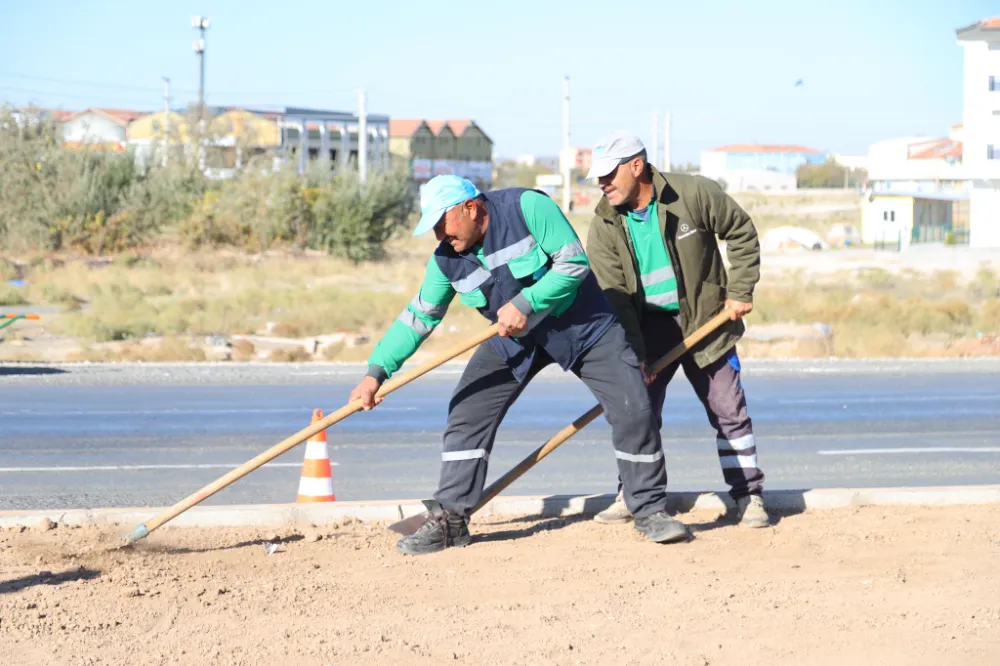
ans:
(859, 586)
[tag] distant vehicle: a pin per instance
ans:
(792, 238)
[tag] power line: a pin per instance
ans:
(92, 84)
(115, 86)
(68, 95)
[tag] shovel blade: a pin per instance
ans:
(408, 526)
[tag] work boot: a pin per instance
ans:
(617, 513)
(441, 529)
(662, 528)
(750, 512)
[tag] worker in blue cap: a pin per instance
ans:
(513, 255)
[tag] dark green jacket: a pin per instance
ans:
(692, 211)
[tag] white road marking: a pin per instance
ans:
(901, 399)
(175, 412)
(911, 449)
(116, 468)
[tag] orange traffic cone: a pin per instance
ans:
(316, 483)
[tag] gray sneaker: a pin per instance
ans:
(750, 512)
(441, 529)
(662, 528)
(616, 514)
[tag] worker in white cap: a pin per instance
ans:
(652, 245)
(512, 255)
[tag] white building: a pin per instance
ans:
(307, 134)
(917, 192)
(757, 168)
(981, 128)
(97, 128)
(923, 189)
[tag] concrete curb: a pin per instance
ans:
(304, 515)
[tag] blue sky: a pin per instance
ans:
(725, 68)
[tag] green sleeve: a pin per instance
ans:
(552, 231)
(414, 324)
(724, 216)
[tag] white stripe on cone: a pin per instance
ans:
(310, 487)
(316, 450)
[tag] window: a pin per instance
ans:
(992, 153)
(156, 125)
(885, 216)
(892, 216)
(995, 83)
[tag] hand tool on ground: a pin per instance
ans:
(388, 387)
(408, 526)
(9, 319)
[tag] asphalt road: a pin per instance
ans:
(116, 435)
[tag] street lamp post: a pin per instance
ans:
(200, 23)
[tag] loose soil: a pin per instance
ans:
(855, 586)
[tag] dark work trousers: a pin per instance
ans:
(719, 388)
(488, 388)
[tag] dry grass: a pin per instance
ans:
(174, 294)
(168, 292)
(168, 349)
(876, 313)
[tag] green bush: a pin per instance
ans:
(289, 216)
(11, 296)
(354, 220)
(986, 283)
(222, 217)
(56, 198)
(988, 319)
(99, 202)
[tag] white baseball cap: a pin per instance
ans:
(611, 150)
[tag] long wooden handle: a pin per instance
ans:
(304, 434)
(583, 421)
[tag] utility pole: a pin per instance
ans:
(666, 144)
(166, 119)
(654, 156)
(200, 23)
(567, 167)
(362, 135)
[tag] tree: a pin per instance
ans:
(830, 174)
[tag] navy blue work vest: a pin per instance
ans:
(515, 261)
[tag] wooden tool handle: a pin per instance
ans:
(304, 434)
(584, 420)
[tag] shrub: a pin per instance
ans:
(11, 296)
(101, 202)
(986, 284)
(354, 220)
(55, 198)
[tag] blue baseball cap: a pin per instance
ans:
(439, 195)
